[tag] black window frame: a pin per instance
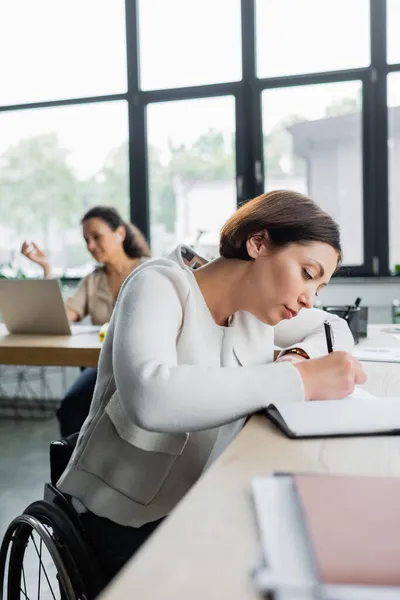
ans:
(249, 150)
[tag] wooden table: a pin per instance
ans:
(79, 350)
(206, 548)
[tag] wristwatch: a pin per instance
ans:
(297, 351)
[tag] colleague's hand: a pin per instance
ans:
(33, 252)
(331, 377)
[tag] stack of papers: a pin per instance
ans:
(377, 354)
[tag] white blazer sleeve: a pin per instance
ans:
(306, 331)
(163, 396)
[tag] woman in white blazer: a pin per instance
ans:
(189, 355)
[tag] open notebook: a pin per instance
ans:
(359, 414)
(327, 537)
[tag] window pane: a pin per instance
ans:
(310, 36)
(312, 144)
(55, 163)
(185, 43)
(54, 50)
(393, 41)
(191, 145)
(394, 171)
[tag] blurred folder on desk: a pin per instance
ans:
(325, 537)
(358, 414)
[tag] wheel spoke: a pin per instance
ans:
(24, 593)
(41, 566)
(24, 581)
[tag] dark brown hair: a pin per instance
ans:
(286, 217)
(134, 244)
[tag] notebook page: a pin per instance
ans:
(338, 417)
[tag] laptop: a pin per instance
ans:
(36, 306)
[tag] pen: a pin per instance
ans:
(329, 336)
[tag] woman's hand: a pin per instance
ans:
(33, 252)
(331, 377)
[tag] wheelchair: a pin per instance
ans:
(45, 553)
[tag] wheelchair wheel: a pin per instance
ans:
(43, 556)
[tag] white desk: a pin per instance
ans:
(205, 549)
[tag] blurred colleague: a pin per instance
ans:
(120, 248)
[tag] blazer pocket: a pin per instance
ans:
(136, 465)
(151, 441)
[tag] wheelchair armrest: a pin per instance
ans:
(60, 453)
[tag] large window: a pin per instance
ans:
(313, 145)
(54, 164)
(310, 36)
(176, 112)
(57, 157)
(394, 170)
(53, 50)
(191, 149)
(393, 39)
(186, 43)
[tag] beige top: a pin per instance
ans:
(94, 297)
